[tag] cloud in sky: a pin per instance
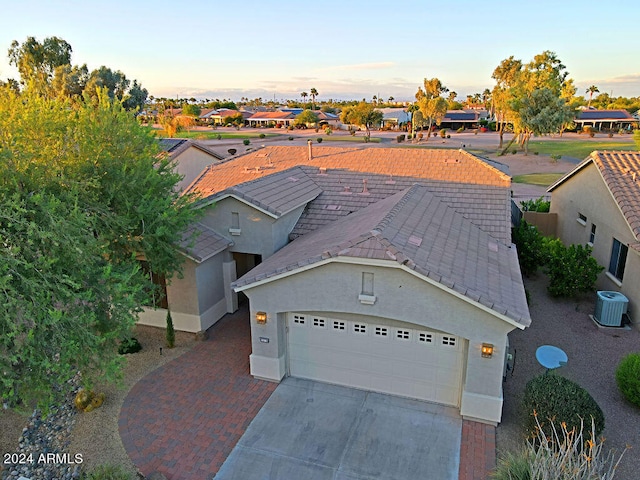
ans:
(360, 66)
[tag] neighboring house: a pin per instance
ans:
(327, 119)
(385, 269)
(263, 119)
(217, 117)
(190, 158)
(608, 119)
(455, 119)
(598, 203)
(394, 117)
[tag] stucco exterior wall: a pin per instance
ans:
(333, 290)
(259, 233)
(587, 194)
(190, 163)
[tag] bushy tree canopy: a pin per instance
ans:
(83, 194)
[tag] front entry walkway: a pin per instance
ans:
(184, 418)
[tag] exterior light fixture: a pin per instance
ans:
(487, 350)
(261, 317)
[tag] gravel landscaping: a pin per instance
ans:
(594, 354)
(92, 435)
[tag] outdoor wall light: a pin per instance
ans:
(487, 350)
(261, 317)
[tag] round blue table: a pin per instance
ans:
(551, 357)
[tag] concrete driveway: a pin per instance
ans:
(315, 431)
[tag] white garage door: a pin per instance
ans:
(410, 362)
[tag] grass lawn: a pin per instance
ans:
(541, 179)
(213, 135)
(577, 148)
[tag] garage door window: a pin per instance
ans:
(338, 325)
(299, 320)
(319, 322)
(424, 337)
(360, 328)
(381, 332)
(448, 341)
(403, 334)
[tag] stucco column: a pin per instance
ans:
(229, 276)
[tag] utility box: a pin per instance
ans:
(610, 306)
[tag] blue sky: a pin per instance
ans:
(344, 49)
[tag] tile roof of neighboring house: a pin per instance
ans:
(207, 243)
(276, 194)
(588, 115)
(272, 116)
(207, 112)
(415, 229)
(621, 174)
(176, 146)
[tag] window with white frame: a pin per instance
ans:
(582, 219)
(618, 259)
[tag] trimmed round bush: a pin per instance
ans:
(628, 378)
(319, 139)
(262, 135)
(553, 397)
(129, 345)
(246, 141)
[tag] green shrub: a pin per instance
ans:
(219, 137)
(628, 378)
(443, 133)
(262, 135)
(246, 141)
(538, 205)
(171, 333)
(448, 136)
(290, 138)
(555, 157)
(513, 466)
(514, 151)
(108, 472)
(129, 345)
(319, 139)
(460, 130)
(551, 397)
(572, 270)
(530, 245)
(328, 131)
(400, 138)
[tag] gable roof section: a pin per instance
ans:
(272, 116)
(207, 242)
(275, 194)
(176, 146)
(620, 172)
(418, 231)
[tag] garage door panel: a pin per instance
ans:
(414, 363)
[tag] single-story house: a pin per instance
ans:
(190, 158)
(394, 117)
(263, 119)
(608, 119)
(216, 117)
(455, 119)
(386, 269)
(598, 204)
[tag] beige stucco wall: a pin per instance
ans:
(333, 290)
(190, 163)
(197, 300)
(259, 233)
(587, 194)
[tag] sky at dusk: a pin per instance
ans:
(345, 49)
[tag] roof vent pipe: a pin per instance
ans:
(364, 187)
(310, 142)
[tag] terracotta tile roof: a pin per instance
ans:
(207, 243)
(620, 171)
(272, 116)
(434, 164)
(416, 229)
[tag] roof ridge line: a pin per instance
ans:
(382, 224)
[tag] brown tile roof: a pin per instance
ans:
(434, 164)
(207, 243)
(620, 171)
(272, 116)
(416, 229)
(176, 146)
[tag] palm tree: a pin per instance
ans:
(391, 99)
(591, 90)
(304, 96)
(314, 93)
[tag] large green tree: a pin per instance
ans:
(38, 61)
(307, 117)
(431, 104)
(362, 114)
(83, 195)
